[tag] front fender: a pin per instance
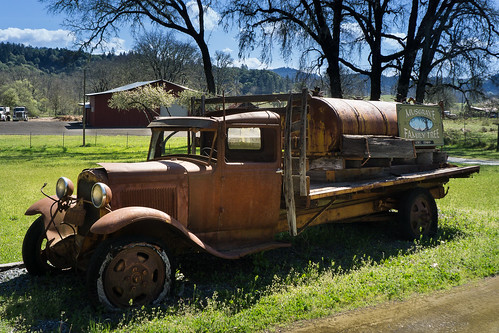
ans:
(42, 206)
(48, 207)
(122, 217)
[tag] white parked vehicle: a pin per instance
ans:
(20, 113)
(4, 113)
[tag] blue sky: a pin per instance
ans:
(28, 22)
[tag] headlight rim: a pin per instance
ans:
(67, 188)
(105, 195)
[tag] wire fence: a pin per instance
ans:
(35, 141)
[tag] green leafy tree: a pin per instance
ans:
(8, 96)
(20, 93)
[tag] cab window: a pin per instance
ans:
(250, 144)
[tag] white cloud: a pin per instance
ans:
(211, 17)
(55, 38)
(115, 44)
(227, 50)
(38, 37)
(252, 63)
(351, 29)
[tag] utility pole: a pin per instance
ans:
(84, 104)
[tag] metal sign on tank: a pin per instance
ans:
(421, 123)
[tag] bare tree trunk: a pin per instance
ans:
(207, 65)
(410, 52)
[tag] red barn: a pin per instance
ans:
(101, 115)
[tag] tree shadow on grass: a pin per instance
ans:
(59, 302)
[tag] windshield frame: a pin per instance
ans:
(159, 141)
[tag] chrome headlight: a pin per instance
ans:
(64, 188)
(101, 195)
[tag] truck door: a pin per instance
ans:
(250, 184)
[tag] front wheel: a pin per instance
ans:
(129, 272)
(35, 250)
(418, 214)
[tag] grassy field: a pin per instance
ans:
(472, 138)
(327, 270)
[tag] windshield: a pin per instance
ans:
(196, 143)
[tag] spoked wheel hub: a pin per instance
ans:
(135, 275)
(420, 216)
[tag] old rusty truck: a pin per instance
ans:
(229, 177)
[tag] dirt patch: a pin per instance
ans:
(470, 308)
(58, 118)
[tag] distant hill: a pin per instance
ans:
(491, 86)
(389, 83)
(291, 73)
(285, 72)
(45, 59)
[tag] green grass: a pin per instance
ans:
(328, 269)
(471, 138)
(24, 170)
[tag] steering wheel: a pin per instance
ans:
(206, 151)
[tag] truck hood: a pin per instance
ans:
(152, 171)
(161, 185)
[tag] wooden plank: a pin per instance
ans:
(342, 175)
(325, 190)
(327, 163)
(369, 146)
(289, 195)
(304, 189)
(296, 165)
(297, 184)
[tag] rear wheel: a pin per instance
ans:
(35, 249)
(129, 272)
(418, 214)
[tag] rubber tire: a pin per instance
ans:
(105, 255)
(34, 257)
(418, 214)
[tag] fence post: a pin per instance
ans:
(497, 147)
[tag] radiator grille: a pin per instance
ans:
(163, 199)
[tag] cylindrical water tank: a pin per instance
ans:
(330, 118)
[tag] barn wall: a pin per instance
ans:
(101, 115)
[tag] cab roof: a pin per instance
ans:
(241, 119)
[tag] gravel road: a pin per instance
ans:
(50, 126)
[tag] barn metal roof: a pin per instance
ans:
(133, 86)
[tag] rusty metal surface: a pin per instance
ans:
(135, 273)
(330, 118)
(120, 218)
(238, 204)
(259, 117)
(162, 185)
(57, 230)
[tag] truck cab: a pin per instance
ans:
(226, 161)
(4, 113)
(20, 113)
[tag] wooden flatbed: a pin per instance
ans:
(320, 190)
